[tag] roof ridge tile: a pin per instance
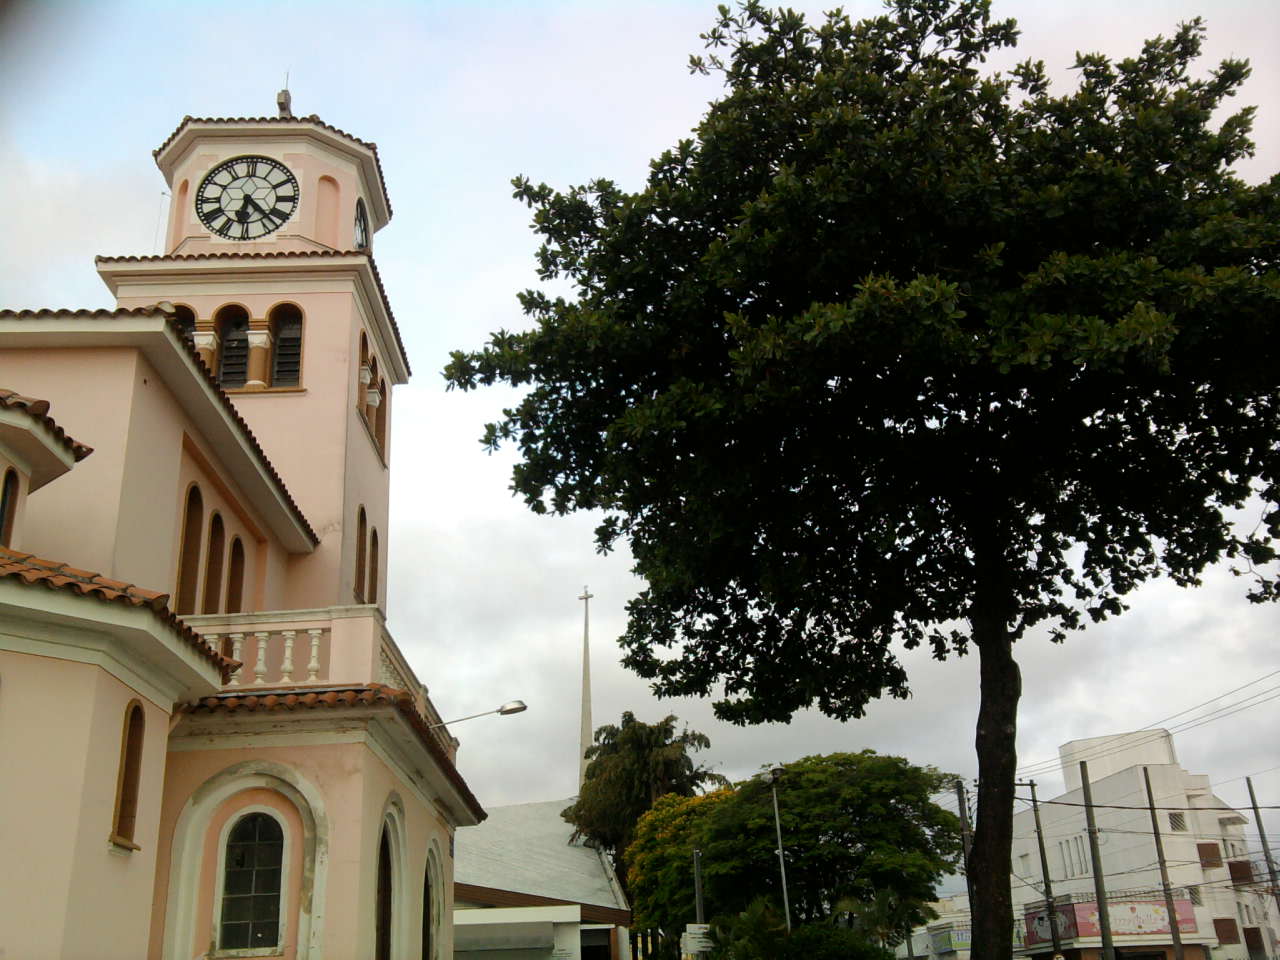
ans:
(38, 410)
(354, 695)
(310, 118)
(273, 255)
(227, 403)
(58, 575)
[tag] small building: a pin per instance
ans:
(1222, 908)
(524, 891)
(944, 938)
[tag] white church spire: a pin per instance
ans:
(585, 734)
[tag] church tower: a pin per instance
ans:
(269, 265)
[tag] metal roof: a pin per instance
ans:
(525, 848)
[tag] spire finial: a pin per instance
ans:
(284, 102)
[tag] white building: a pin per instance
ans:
(1223, 905)
(945, 938)
(523, 891)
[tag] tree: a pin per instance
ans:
(660, 876)
(860, 830)
(853, 825)
(632, 765)
(893, 353)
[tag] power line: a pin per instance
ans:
(1111, 748)
(1120, 806)
(1105, 749)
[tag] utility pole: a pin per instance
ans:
(1164, 871)
(774, 774)
(967, 839)
(1266, 850)
(1099, 886)
(584, 733)
(697, 886)
(697, 893)
(1050, 904)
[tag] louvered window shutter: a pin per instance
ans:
(1226, 930)
(287, 365)
(1241, 871)
(233, 367)
(1210, 855)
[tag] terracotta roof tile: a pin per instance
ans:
(55, 575)
(332, 698)
(226, 401)
(312, 118)
(81, 312)
(38, 410)
(278, 255)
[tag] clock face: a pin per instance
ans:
(247, 198)
(362, 225)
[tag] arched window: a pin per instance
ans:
(186, 318)
(251, 884)
(364, 374)
(125, 821)
(189, 553)
(235, 578)
(8, 506)
(362, 531)
(380, 417)
(286, 330)
(213, 564)
(232, 323)
(372, 595)
(426, 912)
(382, 928)
(361, 225)
(371, 394)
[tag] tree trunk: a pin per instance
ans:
(1001, 687)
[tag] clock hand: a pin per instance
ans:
(249, 200)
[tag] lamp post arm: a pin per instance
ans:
(460, 719)
(513, 706)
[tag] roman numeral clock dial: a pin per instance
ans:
(247, 198)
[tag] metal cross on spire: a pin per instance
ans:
(585, 732)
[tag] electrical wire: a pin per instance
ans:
(1106, 749)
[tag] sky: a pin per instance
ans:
(482, 595)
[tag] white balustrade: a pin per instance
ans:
(286, 665)
(237, 653)
(265, 648)
(260, 664)
(313, 665)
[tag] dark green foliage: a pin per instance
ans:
(822, 942)
(632, 765)
(894, 353)
(759, 933)
(862, 836)
(853, 824)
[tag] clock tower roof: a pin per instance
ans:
(363, 152)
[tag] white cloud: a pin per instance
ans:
(460, 98)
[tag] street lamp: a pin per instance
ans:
(508, 708)
(774, 776)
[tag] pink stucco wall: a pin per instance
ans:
(119, 512)
(68, 891)
(92, 395)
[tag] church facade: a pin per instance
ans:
(212, 745)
